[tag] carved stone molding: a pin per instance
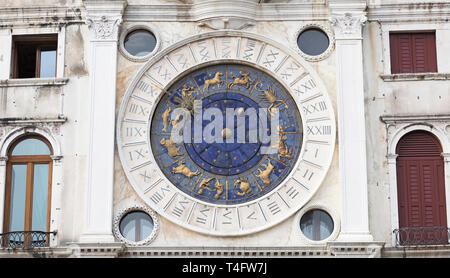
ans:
(104, 28)
(104, 18)
(227, 23)
(314, 25)
(348, 25)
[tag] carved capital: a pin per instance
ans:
(392, 158)
(446, 157)
(104, 28)
(348, 25)
(3, 160)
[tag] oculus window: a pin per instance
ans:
(316, 225)
(140, 43)
(136, 226)
(313, 41)
(35, 56)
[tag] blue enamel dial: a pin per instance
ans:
(234, 170)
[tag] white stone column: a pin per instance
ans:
(348, 18)
(103, 18)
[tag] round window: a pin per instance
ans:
(316, 225)
(140, 43)
(313, 41)
(136, 226)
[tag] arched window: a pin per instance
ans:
(28, 191)
(421, 190)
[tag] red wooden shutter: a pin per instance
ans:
(420, 181)
(413, 52)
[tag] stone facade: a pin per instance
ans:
(78, 111)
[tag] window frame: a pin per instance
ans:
(411, 34)
(44, 41)
(135, 208)
(317, 205)
(30, 161)
(443, 62)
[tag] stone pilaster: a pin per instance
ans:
(103, 18)
(348, 18)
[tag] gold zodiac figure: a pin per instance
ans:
(244, 186)
(264, 174)
(283, 149)
(213, 81)
(165, 117)
(204, 185)
(186, 91)
(271, 97)
(175, 122)
(183, 170)
(187, 98)
(244, 80)
(172, 149)
(219, 189)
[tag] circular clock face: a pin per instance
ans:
(227, 133)
(228, 167)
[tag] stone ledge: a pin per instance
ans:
(415, 76)
(415, 118)
(28, 120)
(438, 251)
(30, 82)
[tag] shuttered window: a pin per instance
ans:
(420, 181)
(413, 52)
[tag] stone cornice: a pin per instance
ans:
(409, 12)
(250, 10)
(41, 15)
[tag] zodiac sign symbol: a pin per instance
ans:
(213, 81)
(271, 97)
(244, 80)
(219, 189)
(175, 122)
(244, 186)
(172, 149)
(204, 185)
(165, 117)
(283, 149)
(182, 169)
(187, 98)
(264, 174)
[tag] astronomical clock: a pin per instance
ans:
(234, 184)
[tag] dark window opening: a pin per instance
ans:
(34, 56)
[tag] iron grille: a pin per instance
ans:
(25, 239)
(421, 236)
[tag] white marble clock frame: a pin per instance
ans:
(167, 66)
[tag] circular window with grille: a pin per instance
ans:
(139, 42)
(314, 42)
(316, 225)
(136, 225)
